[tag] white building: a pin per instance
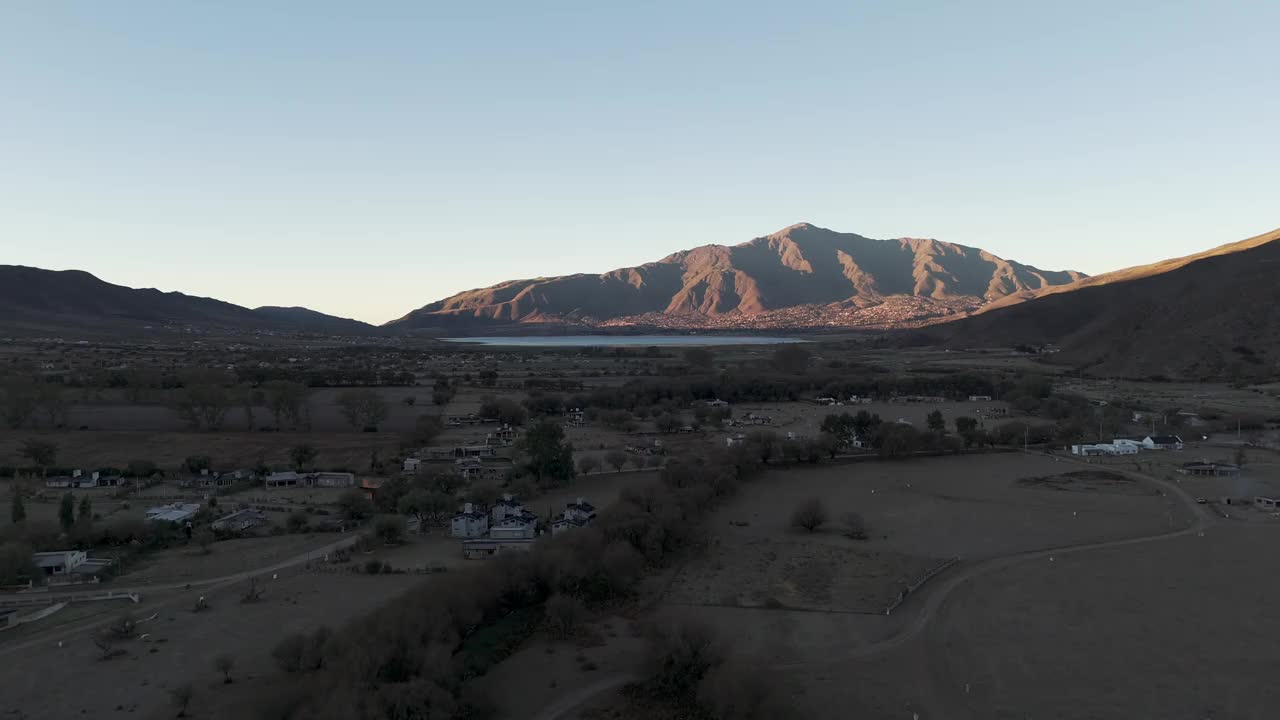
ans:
(1162, 442)
(59, 562)
(735, 440)
(175, 513)
(979, 398)
(76, 479)
(240, 520)
(469, 523)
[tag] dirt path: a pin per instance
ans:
(936, 594)
(561, 708)
(147, 608)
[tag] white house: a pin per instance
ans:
(469, 523)
(580, 509)
(735, 440)
(282, 480)
(515, 527)
(240, 520)
(411, 465)
(1135, 444)
(175, 513)
(1162, 442)
(59, 562)
(979, 398)
(77, 479)
(565, 523)
(1090, 450)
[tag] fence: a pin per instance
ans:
(930, 574)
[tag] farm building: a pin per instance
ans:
(175, 513)
(470, 523)
(1162, 442)
(59, 562)
(1214, 469)
(240, 521)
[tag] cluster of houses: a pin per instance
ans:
(1129, 447)
(291, 479)
(473, 462)
(509, 526)
(70, 565)
(78, 479)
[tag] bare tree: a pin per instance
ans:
(223, 664)
(181, 698)
(810, 515)
(617, 459)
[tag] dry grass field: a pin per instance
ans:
(181, 648)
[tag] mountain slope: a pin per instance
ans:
(33, 300)
(802, 266)
(1211, 314)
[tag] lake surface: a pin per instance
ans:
(626, 340)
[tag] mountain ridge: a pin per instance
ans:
(36, 300)
(800, 266)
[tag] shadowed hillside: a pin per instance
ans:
(1211, 314)
(36, 301)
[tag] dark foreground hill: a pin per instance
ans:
(1213, 314)
(800, 276)
(37, 302)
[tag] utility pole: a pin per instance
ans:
(1026, 437)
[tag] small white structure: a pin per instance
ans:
(469, 523)
(240, 521)
(979, 398)
(1090, 450)
(735, 440)
(1266, 503)
(411, 465)
(175, 513)
(76, 479)
(59, 562)
(278, 480)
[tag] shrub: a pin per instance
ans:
(810, 515)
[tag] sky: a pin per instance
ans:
(364, 159)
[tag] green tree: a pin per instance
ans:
(791, 358)
(548, 456)
(16, 564)
(588, 464)
(504, 410)
(67, 511)
(84, 516)
(363, 408)
(425, 430)
(617, 459)
(864, 422)
(936, 422)
(286, 400)
(429, 507)
(700, 359)
(488, 378)
(19, 401)
(764, 443)
(197, 464)
(41, 453)
(354, 505)
(54, 403)
(391, 529)
(302, 456)
(17, 508)
(203, 405)
(442, 391)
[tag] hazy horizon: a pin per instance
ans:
(364, 163)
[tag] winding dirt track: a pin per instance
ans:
(935, 595)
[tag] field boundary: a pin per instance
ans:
(928, 575)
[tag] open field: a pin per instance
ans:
(228, 450)
(182, 646)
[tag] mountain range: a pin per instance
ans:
(1212, 314)
(1208, 315)
(49, 302)
(802, 275)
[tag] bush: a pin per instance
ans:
(391, 529)
(563, 613)
(810, 515)
(854, 526)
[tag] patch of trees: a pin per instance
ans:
(364, 409)
(546, 454)
(419, 656)
(506, 410)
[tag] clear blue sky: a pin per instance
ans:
(364, 159)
